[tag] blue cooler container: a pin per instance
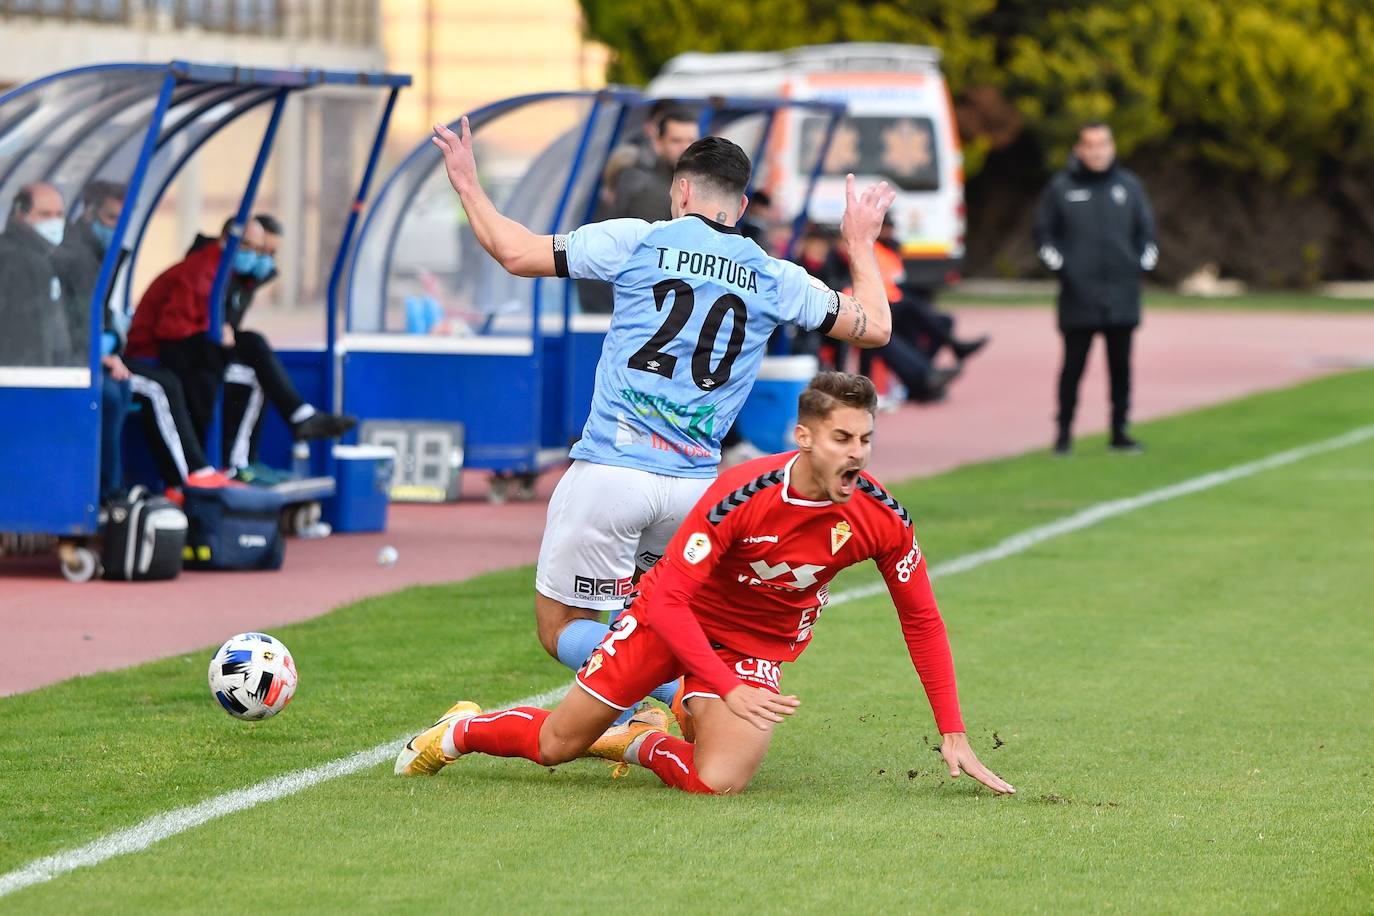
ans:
(770, 412)
(363, 481)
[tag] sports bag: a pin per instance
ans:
(144, 537)
(234, 528)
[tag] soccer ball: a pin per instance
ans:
(252, 676)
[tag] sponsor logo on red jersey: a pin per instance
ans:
(766, 574)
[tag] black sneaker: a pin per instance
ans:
(1123, 444)
(965, 348)
(324, 426)
(1063, 446)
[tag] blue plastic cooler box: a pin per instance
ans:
(363, 478)
(770, 412)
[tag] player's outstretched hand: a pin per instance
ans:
(760, 708)
(959, 757)
(863, 215)
(458, 158)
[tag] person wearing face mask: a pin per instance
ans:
(244, 394)
(33, 323)
(172, 322)
(78, 261)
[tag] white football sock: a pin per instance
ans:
(303, 413)
(446, 744)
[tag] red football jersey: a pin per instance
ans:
(761, 559)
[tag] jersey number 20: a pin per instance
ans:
(651, 358)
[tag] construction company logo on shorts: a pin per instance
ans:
(698, 548)
(907, 564)
(839, 536)
(759, 539)
(591, 587)
(765, 574)
(696, 422)
(759, 671)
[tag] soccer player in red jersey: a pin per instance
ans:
(736, 596)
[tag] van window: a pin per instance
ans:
(901, 149)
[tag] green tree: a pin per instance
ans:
(1271, 90)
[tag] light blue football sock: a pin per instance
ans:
(577, 641)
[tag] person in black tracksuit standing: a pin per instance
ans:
(1096, 231)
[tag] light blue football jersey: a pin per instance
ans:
(695, 305)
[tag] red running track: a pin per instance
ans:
(1003, 406)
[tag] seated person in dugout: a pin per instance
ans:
(172, 324)
(34, 329)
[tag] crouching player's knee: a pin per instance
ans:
(725, 778)
(556, 749)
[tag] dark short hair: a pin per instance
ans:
(1092, 125)
(657, 108)
(718, 163)
(228, 224)
(97, 192)
(834, 389)
(676, 114)
(269, 223)
(23, 200)
(762, 198)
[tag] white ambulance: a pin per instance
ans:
(900, 127)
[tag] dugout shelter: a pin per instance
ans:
(136, 124)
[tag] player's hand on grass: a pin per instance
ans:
(863, 215)
(458, 159)
(959, 757)
(760, 708)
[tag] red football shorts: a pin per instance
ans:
(632, 660)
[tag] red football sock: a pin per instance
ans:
(509, 733)
(673, 761)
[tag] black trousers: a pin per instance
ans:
(199, 363)
(167, 423)
(1077, 342)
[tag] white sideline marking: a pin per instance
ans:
(1090, 516)
(163, 826)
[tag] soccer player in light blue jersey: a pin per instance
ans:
(695, 305)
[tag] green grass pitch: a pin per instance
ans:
(1183, 696)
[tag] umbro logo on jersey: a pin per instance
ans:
(760, 539)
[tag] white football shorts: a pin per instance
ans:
(604, 521)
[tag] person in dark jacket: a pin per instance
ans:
(77, 261)
(33, 317)
(1096, 231)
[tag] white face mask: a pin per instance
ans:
(51, 229)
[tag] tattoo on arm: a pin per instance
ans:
(856, 333)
